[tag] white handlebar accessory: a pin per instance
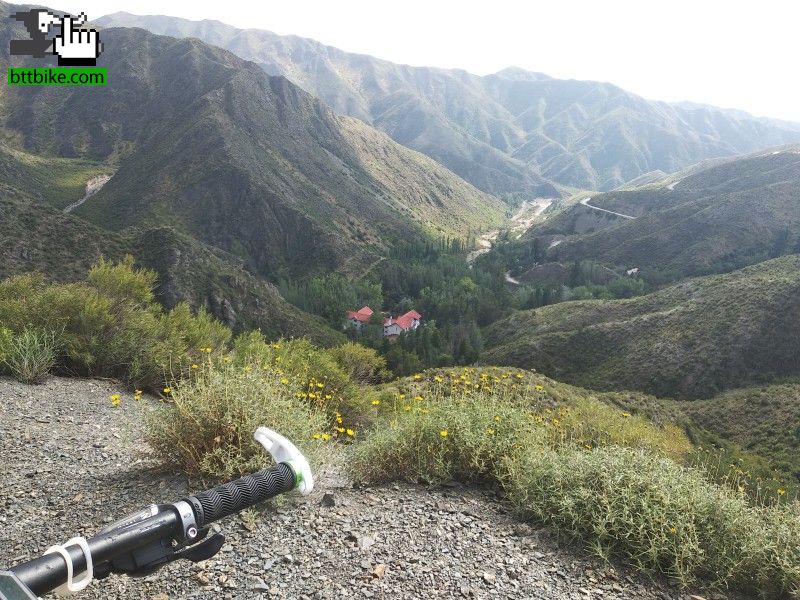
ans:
(282, 450)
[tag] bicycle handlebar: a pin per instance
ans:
(234, 496)
(169, 524)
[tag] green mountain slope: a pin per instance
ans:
(764, 420)
(713, 219)
(36, 237)
(249, 163)
(507, 132)
(691, 339)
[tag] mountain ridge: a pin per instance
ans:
(692, 339)
(247, 162)
(512, 131)
(711, 218)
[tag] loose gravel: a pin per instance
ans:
(70, 463)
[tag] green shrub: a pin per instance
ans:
(590, 469)
(5, 344)
(405, 441)
(325, 384)
(363, 365)
(660, 517)
(31, 354)
(207, 427)
(453, 436)
(111, 325)
(590, 423)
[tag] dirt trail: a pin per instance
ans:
(585, 202)
(92, 187)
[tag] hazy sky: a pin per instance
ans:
(728, 53)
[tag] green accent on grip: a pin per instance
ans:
(298, 476)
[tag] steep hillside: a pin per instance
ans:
(203, 276)
(763, 419)
(249, 163)
(58, 181)
(507, 132)
(712, 219)
(36, 237)
(692, 339)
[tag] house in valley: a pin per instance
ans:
(393, 327)
(357, 318)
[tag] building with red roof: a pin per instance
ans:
(356, 318)
(393, 327)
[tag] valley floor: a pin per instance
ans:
(528, 213)
(71, 462)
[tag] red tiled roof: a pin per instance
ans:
(413, 314)
(404, 321)
(362, 314)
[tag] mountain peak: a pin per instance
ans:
(520, 74)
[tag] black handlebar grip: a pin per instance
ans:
(231, 497)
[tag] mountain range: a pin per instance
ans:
(712, 218)
(244, 161)
(514, 131)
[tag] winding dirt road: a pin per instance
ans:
(585, 202)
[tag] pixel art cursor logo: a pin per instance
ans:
(74, 47)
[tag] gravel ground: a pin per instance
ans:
(70, 462)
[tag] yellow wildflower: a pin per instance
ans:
(781, 492)
(443, 433)
(376, 402)
(167, 390)
(115, 400)
(316, 436)
(417, 376)
(284, 381)
(351, 433)
(325, 437)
